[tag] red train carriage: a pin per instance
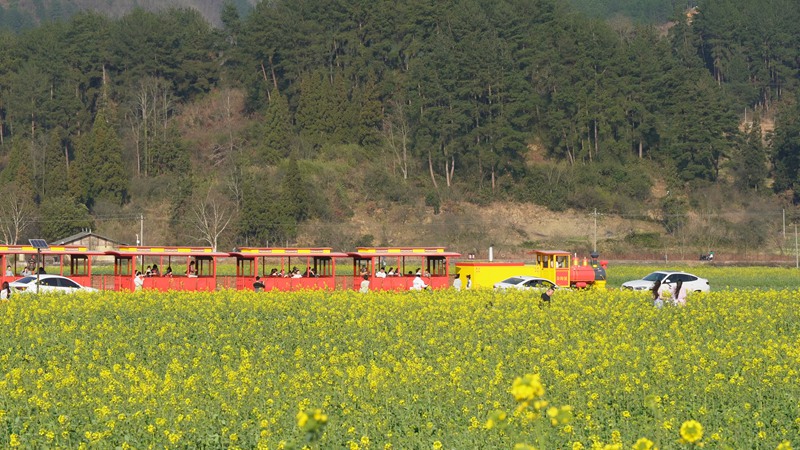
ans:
(399, 265)
(74, 262)
(176, 268)
(286, 269)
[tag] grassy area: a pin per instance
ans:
(720, 278)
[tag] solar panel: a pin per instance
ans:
(39, 244)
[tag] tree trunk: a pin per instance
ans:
(430, 168)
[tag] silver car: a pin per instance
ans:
(525, 282)
(48, 283)
(692, 283)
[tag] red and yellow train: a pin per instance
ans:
(196, 268)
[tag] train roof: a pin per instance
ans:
(371, 252)
(552, 252)
(166, 251)
(247, 252)
(52, 250)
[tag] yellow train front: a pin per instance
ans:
(555, 265)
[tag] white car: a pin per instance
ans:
(48, 283)
(525, 282)
(692, 283)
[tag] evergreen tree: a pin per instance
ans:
(277, 132)
(100, 174)
(169, 153)
(786, 151)
(750, 161)
(55, 171)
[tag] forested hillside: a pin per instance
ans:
(302, 111)
(17, 15)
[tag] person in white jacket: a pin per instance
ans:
(418, 284)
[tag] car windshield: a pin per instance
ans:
(655, 276)
(513, 280)
(26, 280)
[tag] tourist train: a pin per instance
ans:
(290, 268)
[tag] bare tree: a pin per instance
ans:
(148, 114)
(396, 131)
(212, 215)
(16, 210)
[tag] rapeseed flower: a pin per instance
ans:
(691, 431)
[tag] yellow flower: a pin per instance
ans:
(643, 444)
(524, 447)
(302, 419)
(437, 445)
(14, 440)
(691, 431)
(527, 388)
(320, 417)
(785, 445)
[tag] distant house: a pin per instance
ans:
(92, 241)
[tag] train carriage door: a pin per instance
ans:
(561, 269)
(245, 269)
(123, 272)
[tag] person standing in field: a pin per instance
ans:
(418, 284)
(138, 281)
(258, 285)
(679, 296)
(545, 300)
(5, 294)
(364, 285)
(658, 302)
(457, 282)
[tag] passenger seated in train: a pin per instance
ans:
(310, 272)
(168, 272)
(274, 273)
(390, 273)
(191, 272)
(154, 271)
(381, 273)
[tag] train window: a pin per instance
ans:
(437, 266)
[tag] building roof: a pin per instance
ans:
(85, 234)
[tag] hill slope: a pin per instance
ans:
(21, 14)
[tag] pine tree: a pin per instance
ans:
(750, 163)
(101, 174)
(277, 129)
(55, 172)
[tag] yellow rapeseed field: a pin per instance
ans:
(409, 370)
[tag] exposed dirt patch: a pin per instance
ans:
(509, 228)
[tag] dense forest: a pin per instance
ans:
(313, 106)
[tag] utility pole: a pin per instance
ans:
(796, 254)
(594, 241)
(141, 228)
